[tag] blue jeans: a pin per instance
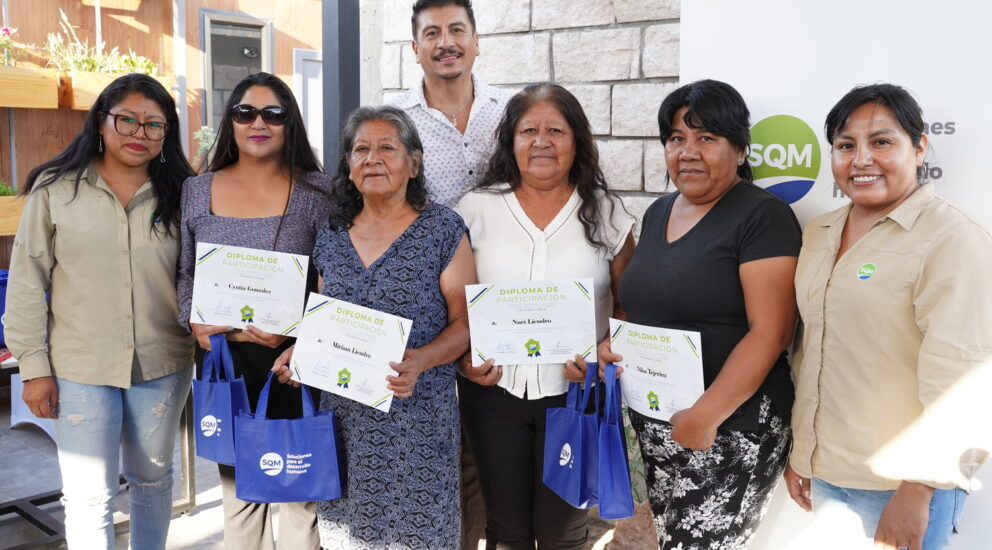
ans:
(945, 509)
(98, 424)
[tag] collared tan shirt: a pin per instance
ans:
(887, 328)
(112, 315)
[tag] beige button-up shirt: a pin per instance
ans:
(887, 328)
(112, 279)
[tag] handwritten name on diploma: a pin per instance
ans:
(352, 350)
(245, 288)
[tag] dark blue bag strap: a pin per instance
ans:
(226, 361)
(263, 400)
(611, 414)
(211, 357)
(592, 383)
(574, 396)
(218, 363)
(308, 408)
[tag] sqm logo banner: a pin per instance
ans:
(792, 60)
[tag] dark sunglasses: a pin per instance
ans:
(246, 114)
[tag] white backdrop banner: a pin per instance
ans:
(793, 59)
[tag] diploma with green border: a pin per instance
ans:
(236, 286)
(662, 367)
(532, 322)
(345, 349)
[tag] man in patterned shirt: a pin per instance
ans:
(456, 114)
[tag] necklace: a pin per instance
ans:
(453, 116)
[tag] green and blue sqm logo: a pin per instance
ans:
(784, 156)
(865, 271)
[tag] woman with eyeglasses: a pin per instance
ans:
(104, 356)
(263, 189)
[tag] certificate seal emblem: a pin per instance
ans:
(865, 271)
(247, 314)
(653, 401)
(344, 378)
(533, 348)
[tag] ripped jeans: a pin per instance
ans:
(95, 425)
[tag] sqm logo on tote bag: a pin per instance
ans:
(218, 398)
(570, 445)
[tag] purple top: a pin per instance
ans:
(308, 212)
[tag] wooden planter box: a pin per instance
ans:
(10, 214)
(84, 88)
(29, 88)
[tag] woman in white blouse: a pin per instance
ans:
(543, 211)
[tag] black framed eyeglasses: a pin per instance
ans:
(127, 125)
(246, 114)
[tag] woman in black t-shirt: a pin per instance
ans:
(717, 257)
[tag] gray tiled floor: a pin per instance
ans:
(30, 466)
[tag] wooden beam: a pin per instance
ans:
(29, 88)
(10, 214)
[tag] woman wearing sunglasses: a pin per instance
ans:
(263, 189)
(100, 233)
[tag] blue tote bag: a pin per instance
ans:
(218, 398)
(570, 444)
(615, 498)
(287, 460)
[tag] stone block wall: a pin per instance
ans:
(619, 57)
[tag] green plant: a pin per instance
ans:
(11, 49)
(6, 190)
(67, 52)
(638, 485)
(205, 138)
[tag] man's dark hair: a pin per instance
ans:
(421, 5)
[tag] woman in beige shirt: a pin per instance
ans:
(100, 233)
(892, 319)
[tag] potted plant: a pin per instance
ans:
(11, 206)
(24, 87)
(90, 72)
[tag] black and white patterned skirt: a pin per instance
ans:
(715, 499)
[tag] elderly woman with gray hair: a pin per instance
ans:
(387, 248)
